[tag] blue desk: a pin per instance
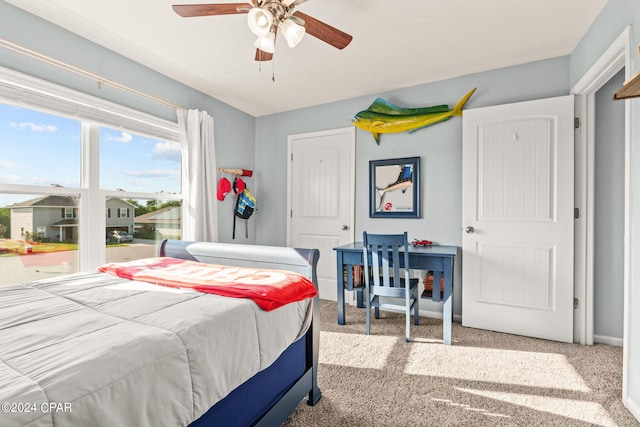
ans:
(438, 259)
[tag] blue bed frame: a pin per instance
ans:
(270, 397)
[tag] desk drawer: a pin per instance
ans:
(429, 263)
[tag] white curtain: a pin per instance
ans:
(200, 215)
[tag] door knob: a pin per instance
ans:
(469, 230)
(344, 227)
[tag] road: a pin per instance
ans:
(25, 268)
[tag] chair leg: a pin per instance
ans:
(377, 309)
(416, 312)
(367, 327)
(407, 324)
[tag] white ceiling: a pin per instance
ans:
(396, 43)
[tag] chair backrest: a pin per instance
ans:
(384, 252)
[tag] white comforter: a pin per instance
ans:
(92, 349)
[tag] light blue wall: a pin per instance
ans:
(234, 129)
(439, 148)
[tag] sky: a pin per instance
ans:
(42, 149)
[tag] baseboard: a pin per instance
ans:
(603, 339)
(438, 315)
(633, 407)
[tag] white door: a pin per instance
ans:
(517, 214)
(321, 180)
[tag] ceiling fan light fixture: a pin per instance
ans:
(266, 43)
(292, 32)
(260, 21)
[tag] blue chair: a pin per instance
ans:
(383, 252)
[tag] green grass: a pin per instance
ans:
(40, 248)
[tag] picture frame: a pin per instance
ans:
(394, 188)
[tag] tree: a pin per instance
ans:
(139, 209)
(5, 222)
(151, 205)
(170, 203)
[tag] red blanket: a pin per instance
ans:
(270, 289)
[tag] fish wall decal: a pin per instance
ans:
(384, 117)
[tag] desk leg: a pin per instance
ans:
(447, 309)
(340, 284)
(360, 298)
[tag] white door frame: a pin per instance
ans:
(608, 65)
(351, 131)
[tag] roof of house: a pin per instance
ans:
(67, 222)
(122, 200)
(48, 202)
(168, 214)
(57, 202)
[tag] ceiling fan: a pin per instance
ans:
(265, 17)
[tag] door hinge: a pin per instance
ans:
(576, 303)
(292, 157)
(291, 213)
(576, 122)
(576, 213)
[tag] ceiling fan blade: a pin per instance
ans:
(262, 56)
(191, 10)
(292, 2)
(325, 32)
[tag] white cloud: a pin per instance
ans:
(34, 127)
(140, 183)
(124, 137)
(6, 164)
(167, 150)
(12, 178)
(156, 173)
(19, 179)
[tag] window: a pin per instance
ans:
(152, 220)
(38, 148)
(135, 163)
(49, 136)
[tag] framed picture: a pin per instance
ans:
(394, 188)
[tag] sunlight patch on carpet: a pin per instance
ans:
(581, 410)
(470, 408)
(357, 351)
(497, 366)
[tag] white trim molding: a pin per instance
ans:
(615, 58)
(26, 91)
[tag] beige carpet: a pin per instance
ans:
(484, 378)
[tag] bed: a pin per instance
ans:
(101, 350)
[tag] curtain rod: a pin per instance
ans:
(68, 67)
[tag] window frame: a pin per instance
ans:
(28, 92)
